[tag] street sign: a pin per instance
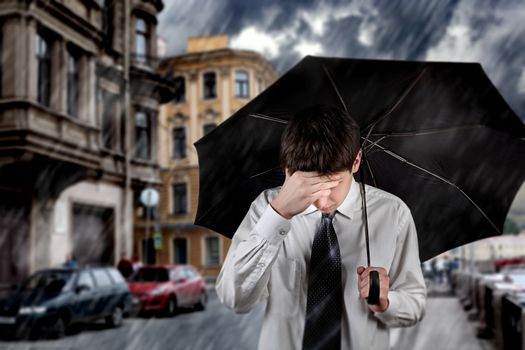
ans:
(157, 240)
(149, 197)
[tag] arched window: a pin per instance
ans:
(141, 40)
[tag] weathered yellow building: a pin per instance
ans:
(212, 82)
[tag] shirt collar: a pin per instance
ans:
(350, 206)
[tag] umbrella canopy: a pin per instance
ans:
(436, 134)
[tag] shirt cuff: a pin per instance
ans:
(390, 314)
(272, 226)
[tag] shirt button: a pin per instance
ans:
(282, 232)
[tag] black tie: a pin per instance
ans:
(325, 295)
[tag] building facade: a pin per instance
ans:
(79, 97)
(212, 82)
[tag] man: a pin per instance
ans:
(314, 279)
(70, 262)
(125, 266)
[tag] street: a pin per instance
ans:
(218, 328)
(214, 328)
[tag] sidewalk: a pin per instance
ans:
(445, 327)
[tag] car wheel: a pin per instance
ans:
(171, 306)
(59, 328)
(115, 319)
(203, 299)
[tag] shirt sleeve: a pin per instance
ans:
(243, 281)
(407, 295)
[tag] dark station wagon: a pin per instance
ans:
(51, 300)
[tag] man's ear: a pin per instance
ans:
(357, 162)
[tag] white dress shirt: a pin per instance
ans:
(269, 259)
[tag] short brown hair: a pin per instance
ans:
(320, 138)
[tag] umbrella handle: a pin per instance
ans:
(373, 291)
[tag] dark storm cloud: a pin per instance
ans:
(400, 29)
(204, 17)
(408, 28)
(340, 38)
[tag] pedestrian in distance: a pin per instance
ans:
(125, 266)
(70, 262)
(301, 247)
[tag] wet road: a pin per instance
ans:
(186, 331)
(218, 328)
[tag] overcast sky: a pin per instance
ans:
(491, 32)
(487, 31)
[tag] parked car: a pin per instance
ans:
(164, 289)
(51, 300)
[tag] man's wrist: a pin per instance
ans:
(280, 211)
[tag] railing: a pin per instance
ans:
(145, 60)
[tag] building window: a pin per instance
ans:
(73, 82)
(180, 89)
(209, 85)
(179, 143)
(141, 40)
(242, 83)
(109, 120)
(180, 198)
(180, 251)
(43, 56)
(212, 251)
(142, 135)
(107, 21)
(209, 127)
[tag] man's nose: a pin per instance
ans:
(322, 202)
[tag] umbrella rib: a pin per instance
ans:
(429, 131)
(372, 144)
(335, 87)
(398, 102)
(397, 156)
(264, 172)
(267, 117)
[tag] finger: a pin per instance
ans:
(360, 269)
(363, 284)
(315, 178)
(363, 292)
(364, 275)
(319, 194)
(324, 186)
(309, 174)
(366, 272)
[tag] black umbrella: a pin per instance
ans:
(436, 134)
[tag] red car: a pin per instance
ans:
(163, 289)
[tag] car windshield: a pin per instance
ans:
(50, 281)
(150, 275)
